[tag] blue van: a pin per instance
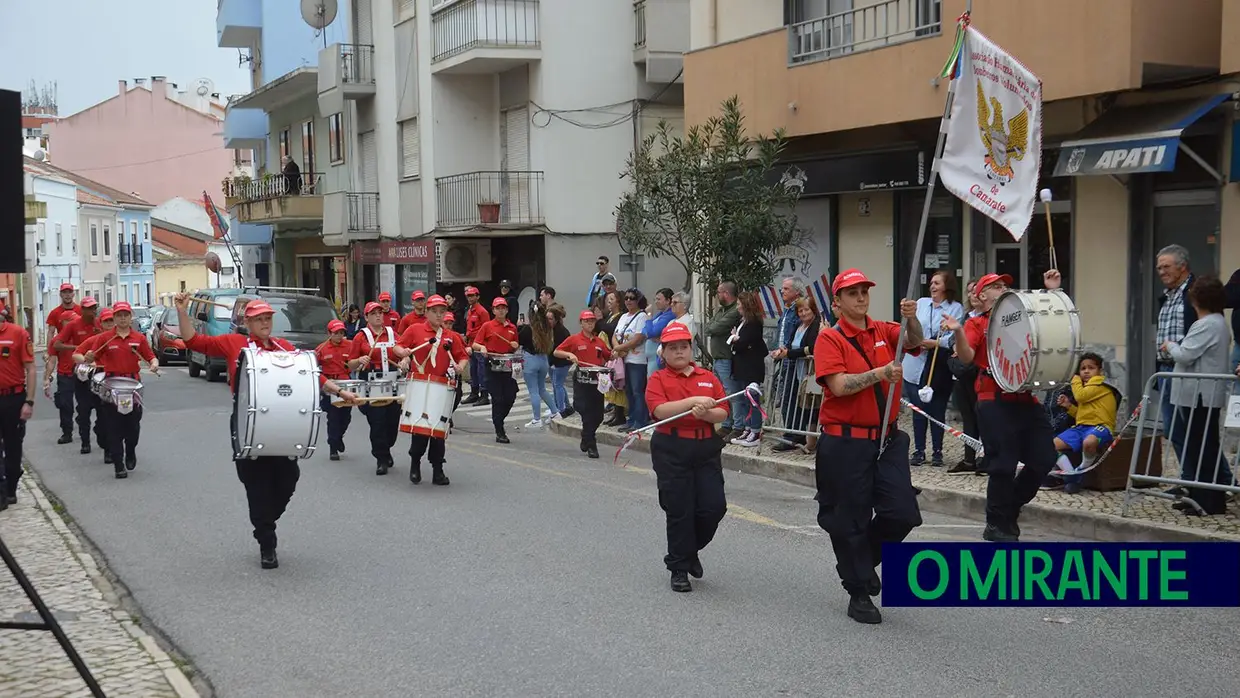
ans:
(210, 320)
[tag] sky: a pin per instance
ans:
(86, 46)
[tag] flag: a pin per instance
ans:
(770, 301)
(219, 222)
(993, 153)
(821, 290)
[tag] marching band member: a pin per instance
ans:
(498, 336)
(269, 480)
(65, 390)
(475, 317)
(106, 323)
(117, 354)
(391, 316)
(66, 344)
(449, 326)
(586, 349)
(865, 492)
(1013, 426)
(685, 454)
(17, 386)
(373, 356)
(415, 316)
(443, 355)
(333, 356)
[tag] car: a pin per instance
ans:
(168, 345)
(210, 311)
(157, 313)
(300, 318)
(142, 318)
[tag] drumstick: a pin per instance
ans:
(376, 401)
(1045, 195)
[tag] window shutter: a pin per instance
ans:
(365, 24)
(410, 149)
(517, 126)
(370, 164)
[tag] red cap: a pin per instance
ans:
(122, 307)
(472, 291)
(499, 300)
(587, 314)
(89, 302)
(66, 286)
(335, 326)
(385, 296)
(105, 314)
(675, 332)
(449, 318)
(989, 279)
(436, 301)
(371, 307)
(66, 318)
(417, 296)
(258, 307)
(847, 279)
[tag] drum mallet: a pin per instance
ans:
(1045, 196)
(926, 393)
(753, 391)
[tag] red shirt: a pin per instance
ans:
(229, 346)
(333, 359)
(89, 344)
(53, 315)
(834, 354)
(392, 318)
(361, 347)
(667, 385)
(16, 350)
(475, 318)
(74, 334)
(590, 351)
(118, 356)
(496, 336)
(448, 351)
(409, 321)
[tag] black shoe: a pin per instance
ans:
(502, 439)
(917, 459)
(592, 452)
(861, 608)
(131, 462)
(695, 569)
(1000, 534)
(381, 468)
(4, 503)
(11, 499)
(874, 587)
(340, 447)
(85, 447)
(334, 456)
(584, 447)
(680, 582)
(624, 429)
(725, 432)
(107, 457)
(267, 559)
(568, 412)
(65, 439)
(470, 399)
(121, 475)
(936, 461)
(962, 468)
(438, 478)
(415, 473)
(483, 401)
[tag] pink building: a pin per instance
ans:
(152, 139)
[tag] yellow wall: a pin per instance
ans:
(865, 244)
(169, 275)
(1100, 243)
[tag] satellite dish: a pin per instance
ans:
(318, 13)
(204, 87)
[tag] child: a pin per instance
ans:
(1094, 405)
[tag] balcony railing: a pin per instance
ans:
(135, 254)
(863, 29)
(357, 64)
(274, 187)
(639, 24)
(490, 198)
(469, 24)
(123, 254)
(363, 212)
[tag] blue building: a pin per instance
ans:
(136, 277)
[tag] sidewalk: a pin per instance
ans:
(1093, 515)
(124, 660)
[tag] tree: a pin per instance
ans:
(709, 201)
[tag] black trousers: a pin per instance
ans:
(338, 421)
(966, 402)
(122, 441)
(1202, 458)
(1014, 432)
(12, 434)
(88, 401)
(384, 428)
(588, 402)
(421, 444)
(503, 388)
(63, 400)
(689, 473)
(864, 500)
(269, 485)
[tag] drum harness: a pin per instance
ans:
(383, 347)
(432, 355)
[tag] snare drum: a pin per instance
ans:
(588, 375)
(276, 404)
(387, 388)
(504, 363)
(124, 393)
(428, 405)
(96, 385)
(357, 387)
(1033, 340)
(84, 372)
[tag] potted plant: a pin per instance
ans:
(488, 211)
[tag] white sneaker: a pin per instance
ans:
(533, 424)
(551, 417)
(743, 438)
(752, 439)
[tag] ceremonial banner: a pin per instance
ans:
(993, 152)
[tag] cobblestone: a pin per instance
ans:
(124, 659)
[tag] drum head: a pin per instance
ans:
(1011, 342)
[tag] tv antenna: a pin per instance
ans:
(319, 14)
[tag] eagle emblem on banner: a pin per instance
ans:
(1003, 142)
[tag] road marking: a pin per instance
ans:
(949, 525)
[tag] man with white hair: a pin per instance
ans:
(1175, 316)
(789, 290)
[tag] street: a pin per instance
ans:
(539, 573)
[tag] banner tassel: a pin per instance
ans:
(951, 69)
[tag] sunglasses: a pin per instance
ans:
(600, 263)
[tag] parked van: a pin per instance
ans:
(211, 320)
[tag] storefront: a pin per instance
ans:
(399, 267)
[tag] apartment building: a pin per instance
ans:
(1138, 131)
(55, 252)
(450, 142)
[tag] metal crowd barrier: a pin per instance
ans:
(792, 398)
(1195, 435)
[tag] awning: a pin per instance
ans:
(248, 233)
(1129, 140)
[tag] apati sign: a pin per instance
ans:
(994, 140)
(394, 252)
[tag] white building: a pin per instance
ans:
(188, 217)
(97, 221)
(56, 241)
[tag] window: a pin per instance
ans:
(284, 144)
(136, 298)
(335, 138)
(120, 243)
(182, 287)
(133, 233)
(148, 293)
(73, 239)
(311, 315)
(94, 240)
(107, 242)
(60, 245)
(107, 295)
(410, 149)
(124, 292)
(307, 151)
(42, 239)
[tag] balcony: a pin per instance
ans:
(349, 217)
(479, 37)
(123, 254)
(244, 129)
(238, 23)
(489, 200)
(660, 38)
(346, 71)
(274, 199)
(288, 88)
(135, 254)
(864, 29)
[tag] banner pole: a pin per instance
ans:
(931, 182)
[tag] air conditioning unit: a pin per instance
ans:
(463, 260)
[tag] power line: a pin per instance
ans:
(637, 106)
(147, 162)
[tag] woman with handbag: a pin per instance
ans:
(606, 331)
(929, 368)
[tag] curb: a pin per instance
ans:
(968, 505)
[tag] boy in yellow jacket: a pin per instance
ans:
(1094, 405)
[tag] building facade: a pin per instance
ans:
(854, 85)
(179, 264)
(56, 242)
(188, 220)
(137, 267)
(97, 224)
(444, 143)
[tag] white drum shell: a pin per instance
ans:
(1033, 340)
(505, 363)
(427, 407)
(277, 404)
(589, 374)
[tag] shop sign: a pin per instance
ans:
(900, 169)
(394, 252)
(1117, 157)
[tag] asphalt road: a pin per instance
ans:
(539, 573)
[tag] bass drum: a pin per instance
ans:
(1033, 340)
(276, 404)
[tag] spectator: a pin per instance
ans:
(1093, 406)
(796, 402)
(659, 316)
(917, 368)
(680, 305)
(1175, 317)
(717, 332)
(630, 339)
(749, 354)
(791, 290)
(610, 317)
(594, 296)
(353, 321)
(965, 394)
(554, 317)
(292, 176)
(537, 341)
